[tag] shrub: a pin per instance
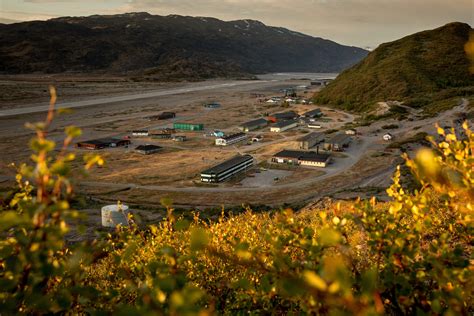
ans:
(407, 256)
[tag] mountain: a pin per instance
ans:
(7, 21)
(165, 46)
(420, 70)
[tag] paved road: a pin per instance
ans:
(112, 99)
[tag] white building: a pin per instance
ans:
(314, 125)
(387, 137)
(351, 131)
(139, 133)
(231, 139)
(283, 126)
(317, 161)
(304, 158)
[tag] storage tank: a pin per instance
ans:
(113, 215)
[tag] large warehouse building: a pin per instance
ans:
(227, 169)
(310, 140)
(338, 142)
(305, 158)
(253, 125)
(283, 126)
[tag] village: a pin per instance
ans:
(208, 144)
(258, 152)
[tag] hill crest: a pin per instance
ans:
(417, 69)
(172, 46)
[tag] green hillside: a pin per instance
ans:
(420, 69)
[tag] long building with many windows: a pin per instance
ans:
(231, 139)
(227, 169)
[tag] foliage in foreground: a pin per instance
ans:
(410, 255)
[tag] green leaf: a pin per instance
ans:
(199, 239)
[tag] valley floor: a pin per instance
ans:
(364, 168)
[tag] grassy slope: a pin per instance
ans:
(418, 69)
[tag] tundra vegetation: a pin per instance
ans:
(427, 71)
(411, 255)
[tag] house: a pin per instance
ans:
(101, 143)
(338, 142)
(162, 133)
(188, 126)
(179, 138)
(290, 100)
(140, 133)
(351, 131)
(283, 126)
(304, 158)
(162, 116)
(314, 125)
(231, 139)
(253, 125)
(272, 101)
(310, 140)
(227, 169)
(387, 137)
(313, 113)
(147, 149)
(212, 105)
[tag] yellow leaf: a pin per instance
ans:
(35, 246)
(314, 280)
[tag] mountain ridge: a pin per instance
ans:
(166, 46)
(418, 69)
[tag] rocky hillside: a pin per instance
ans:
(165, 47)
(421, 70)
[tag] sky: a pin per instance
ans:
(362, 23)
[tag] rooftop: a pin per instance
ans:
(101, 141)
(254, 122)
(339, 138)
(311, 136)
(312, 112)
(147, 147)
(284, 123)
(227, 164)
(288, 114)
(302, 155)
(232, 136)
